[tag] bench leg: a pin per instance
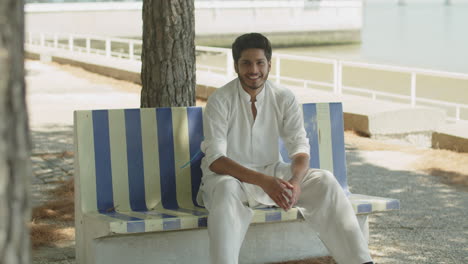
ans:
(363, 220)
(87, 231)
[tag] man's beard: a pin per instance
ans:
(244, 83)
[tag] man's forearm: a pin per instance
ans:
(227, 166)
(274, 187)
(299, 166)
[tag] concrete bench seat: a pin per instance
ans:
(169, 220)
(182, 218)
(137, 174)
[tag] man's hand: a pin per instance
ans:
(279, 191)
(299, 167)
(295, 194)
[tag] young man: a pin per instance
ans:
(242, 168)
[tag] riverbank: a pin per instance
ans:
(289, 39)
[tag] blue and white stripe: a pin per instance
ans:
(139, 169)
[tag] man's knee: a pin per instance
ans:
(227, 188)
(328, 177)
(323, 177)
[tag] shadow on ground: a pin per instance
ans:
(431, 226)
(51, 138)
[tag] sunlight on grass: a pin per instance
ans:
(52, 222)
(49, 234)
(450, 166)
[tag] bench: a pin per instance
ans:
(137, 173)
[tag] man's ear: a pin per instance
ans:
(236, 68)
(269, 65)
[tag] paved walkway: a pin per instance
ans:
(431, 227)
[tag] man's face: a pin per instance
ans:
(252, 69)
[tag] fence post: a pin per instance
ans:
(215, 10)
(413, 89)
(55, 40)
(108, 47)
(337, 76)
(70, 42)
(278, 69)
(88, 45)
(340, 77)
(130, 50)
(42, 40)
(229, 65)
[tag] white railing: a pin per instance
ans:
(131, 49)
(71, 42)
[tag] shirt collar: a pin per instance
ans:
(246, 96)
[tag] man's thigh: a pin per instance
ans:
(280, 170)
(216, 185)
(283, 171)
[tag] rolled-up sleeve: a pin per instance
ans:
(215, 126)
(293, 133)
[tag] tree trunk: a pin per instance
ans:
(168, 56)
(15, 167)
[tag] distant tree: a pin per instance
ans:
(15, 167)
(168, 56)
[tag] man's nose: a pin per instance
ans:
(253, 68)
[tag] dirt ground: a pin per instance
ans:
(52, 224)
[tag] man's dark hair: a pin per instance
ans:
(251, 41)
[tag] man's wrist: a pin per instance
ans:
(299, 167)
(261, 179)
(295, 180)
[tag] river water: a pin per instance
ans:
(422, 35)
(428, 35)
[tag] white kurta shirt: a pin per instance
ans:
(231, 131)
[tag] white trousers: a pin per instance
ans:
(323, 203)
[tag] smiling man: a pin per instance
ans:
(242, 168)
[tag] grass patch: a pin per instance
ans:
(66, 190)
(450, 166)
(52, 222)
(119, 85)
(361, 142)
(43, 234)
(57, 210)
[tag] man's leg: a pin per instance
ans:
(328, 210)
(228, 219)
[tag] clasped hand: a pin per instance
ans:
(282, 192)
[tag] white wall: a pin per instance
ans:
(211, 17)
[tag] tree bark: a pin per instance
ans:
(168, 56)
(15, 166)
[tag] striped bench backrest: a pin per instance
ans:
(140, 159)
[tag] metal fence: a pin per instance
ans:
(130, 49)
